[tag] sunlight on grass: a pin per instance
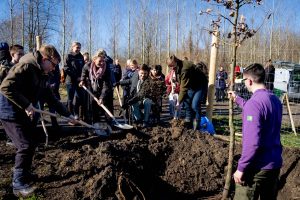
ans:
(222, 128)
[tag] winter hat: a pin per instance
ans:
(4, 52)
(4, 46)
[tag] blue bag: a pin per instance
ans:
(206, 125)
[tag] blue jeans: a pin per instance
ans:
(73, 90)
(192, 104)
(147, 103)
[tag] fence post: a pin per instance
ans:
(290, 113)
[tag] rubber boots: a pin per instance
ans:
(21, 184)
(196, 124)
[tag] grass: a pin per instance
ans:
(33, 197)
(288, 139)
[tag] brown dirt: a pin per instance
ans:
(163, 162)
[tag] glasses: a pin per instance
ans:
(244, 80)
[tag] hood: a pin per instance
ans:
(5, 55)
(33, 58)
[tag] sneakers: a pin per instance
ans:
(145, 125)
(24, 192)
(9, 143)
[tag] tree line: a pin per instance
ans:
(148, 30)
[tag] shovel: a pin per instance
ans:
(121, 105)
(116, 124)
(43, 125)
(98, 130)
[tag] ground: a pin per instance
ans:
(163, 162)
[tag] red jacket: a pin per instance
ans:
(168, 82)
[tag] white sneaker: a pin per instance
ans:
(76, 117)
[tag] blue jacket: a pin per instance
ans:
(221, 80)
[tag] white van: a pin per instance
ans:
(287, 79)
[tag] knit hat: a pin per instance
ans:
(4, 52)
(4, 46)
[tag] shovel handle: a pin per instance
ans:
(118, 94)
(100, 104)
(63, 117)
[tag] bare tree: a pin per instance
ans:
(240, 32)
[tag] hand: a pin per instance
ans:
(237, 176)
(232, 95)
(81, 83)
(72, 119)
(52, 86)
(116, 84)
(30, 111)
(100, 101)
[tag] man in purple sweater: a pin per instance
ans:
(259, 166)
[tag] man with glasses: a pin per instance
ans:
(23, 87)
(259, 166)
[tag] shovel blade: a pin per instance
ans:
(100, 132)
(123, 126)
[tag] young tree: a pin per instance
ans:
(240, 32)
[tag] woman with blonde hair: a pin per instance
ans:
(96, 74)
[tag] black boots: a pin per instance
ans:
(21, 183)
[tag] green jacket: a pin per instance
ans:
(26, 83)
(188, 78)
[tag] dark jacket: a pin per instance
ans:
(145, 88)
(5, 66)
(270, 76)
(73, 67)
(221, 78)
(188, 78)
(104, 84)
(25, 84)
(117, 72)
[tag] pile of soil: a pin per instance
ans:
(163, 162)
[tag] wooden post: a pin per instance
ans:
(212, 73)
(38, 39)
(290, 113)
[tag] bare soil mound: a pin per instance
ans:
(163, 162)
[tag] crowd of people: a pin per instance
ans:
(34, 79)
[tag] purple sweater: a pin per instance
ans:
(262, 115)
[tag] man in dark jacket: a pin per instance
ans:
(191, 88)
(270, 75)
(5, 60)
(72, 69)
(140, 94)
(23, 87)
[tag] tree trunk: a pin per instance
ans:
(231, 116)
(64, 31)
(128, 54)
(11, 23)
(23, 24)
(90, 27)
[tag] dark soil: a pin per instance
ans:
(163, 162)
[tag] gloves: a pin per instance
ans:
(30, 111)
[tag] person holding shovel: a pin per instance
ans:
(258, 168)
(23, 87)
(97, 75)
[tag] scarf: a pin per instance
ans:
(96, 73)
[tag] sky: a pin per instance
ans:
(103, 10)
